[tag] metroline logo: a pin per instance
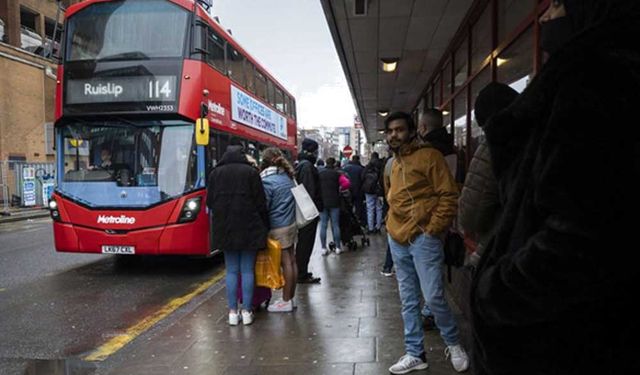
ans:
(103, 219)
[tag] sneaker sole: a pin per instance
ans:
(423, 366)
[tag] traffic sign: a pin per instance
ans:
(347, 151)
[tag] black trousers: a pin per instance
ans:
(304, 247)
(359, 207)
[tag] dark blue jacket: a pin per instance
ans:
(354, 171)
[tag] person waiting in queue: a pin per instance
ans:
(556, 288)
(238, 207)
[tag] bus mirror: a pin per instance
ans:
(202, 132)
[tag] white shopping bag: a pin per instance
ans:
(306, 210)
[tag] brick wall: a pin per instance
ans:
(26, 104)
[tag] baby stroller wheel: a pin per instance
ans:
(332, 246)
(353, 245)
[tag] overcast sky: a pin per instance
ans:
(291, 40)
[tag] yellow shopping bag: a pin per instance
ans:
(268, 271)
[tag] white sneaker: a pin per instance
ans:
(325, 251)
(339, 251)
(247, 317)
(234, 319)
(281, 306)
(459, 358)
(408, 363)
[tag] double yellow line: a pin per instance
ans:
(119, 341)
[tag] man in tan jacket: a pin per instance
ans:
(422, 200)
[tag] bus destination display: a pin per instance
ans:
(121, 89)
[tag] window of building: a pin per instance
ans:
(460, 119)
(29, 38)
(512, 13)
(28, 19)
(2, 34)
(215, 47)
(437, 97)
(515, 64)
(480, 82)
(50, 28)
(261, 85)
(447, 116)
(235, 64)
(429, 97)
(481, 45)
(279, 100)
(293, 108)
(446, 78)
(249, 75)
(462, 64)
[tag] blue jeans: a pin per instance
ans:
(335, 226)
(240, 262)
(374, 211)
(419, 267)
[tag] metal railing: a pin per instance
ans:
(25, 184)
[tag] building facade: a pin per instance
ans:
(30, 32)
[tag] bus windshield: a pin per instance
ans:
(127, 30)
(126, 164)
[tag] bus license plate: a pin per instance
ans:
(112, 249)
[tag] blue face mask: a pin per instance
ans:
(554, 34)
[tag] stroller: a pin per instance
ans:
(350, 225)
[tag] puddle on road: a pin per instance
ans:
(59, 367)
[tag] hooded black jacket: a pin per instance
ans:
(555, 291)
(307, 175)
(238, 204)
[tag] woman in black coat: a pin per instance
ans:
(240, 224)
(556, 290)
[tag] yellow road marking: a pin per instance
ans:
(116, 343)
(2, 289)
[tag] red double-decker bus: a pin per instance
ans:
(149, 93)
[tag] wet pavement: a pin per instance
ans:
(348, 324)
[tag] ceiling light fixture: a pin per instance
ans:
(390, 64)
(500, 61)
(445, 113)
(383, 112)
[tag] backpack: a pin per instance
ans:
(371, 181)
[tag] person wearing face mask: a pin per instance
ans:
(555, 290)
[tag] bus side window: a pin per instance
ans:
(279, 100)
(261, 85)
(235, 64)
(212, 153)
(286, 104)
(271, 93)
(215, 47)
(248, 74)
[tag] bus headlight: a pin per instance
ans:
(53, 209)
(190, 210)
